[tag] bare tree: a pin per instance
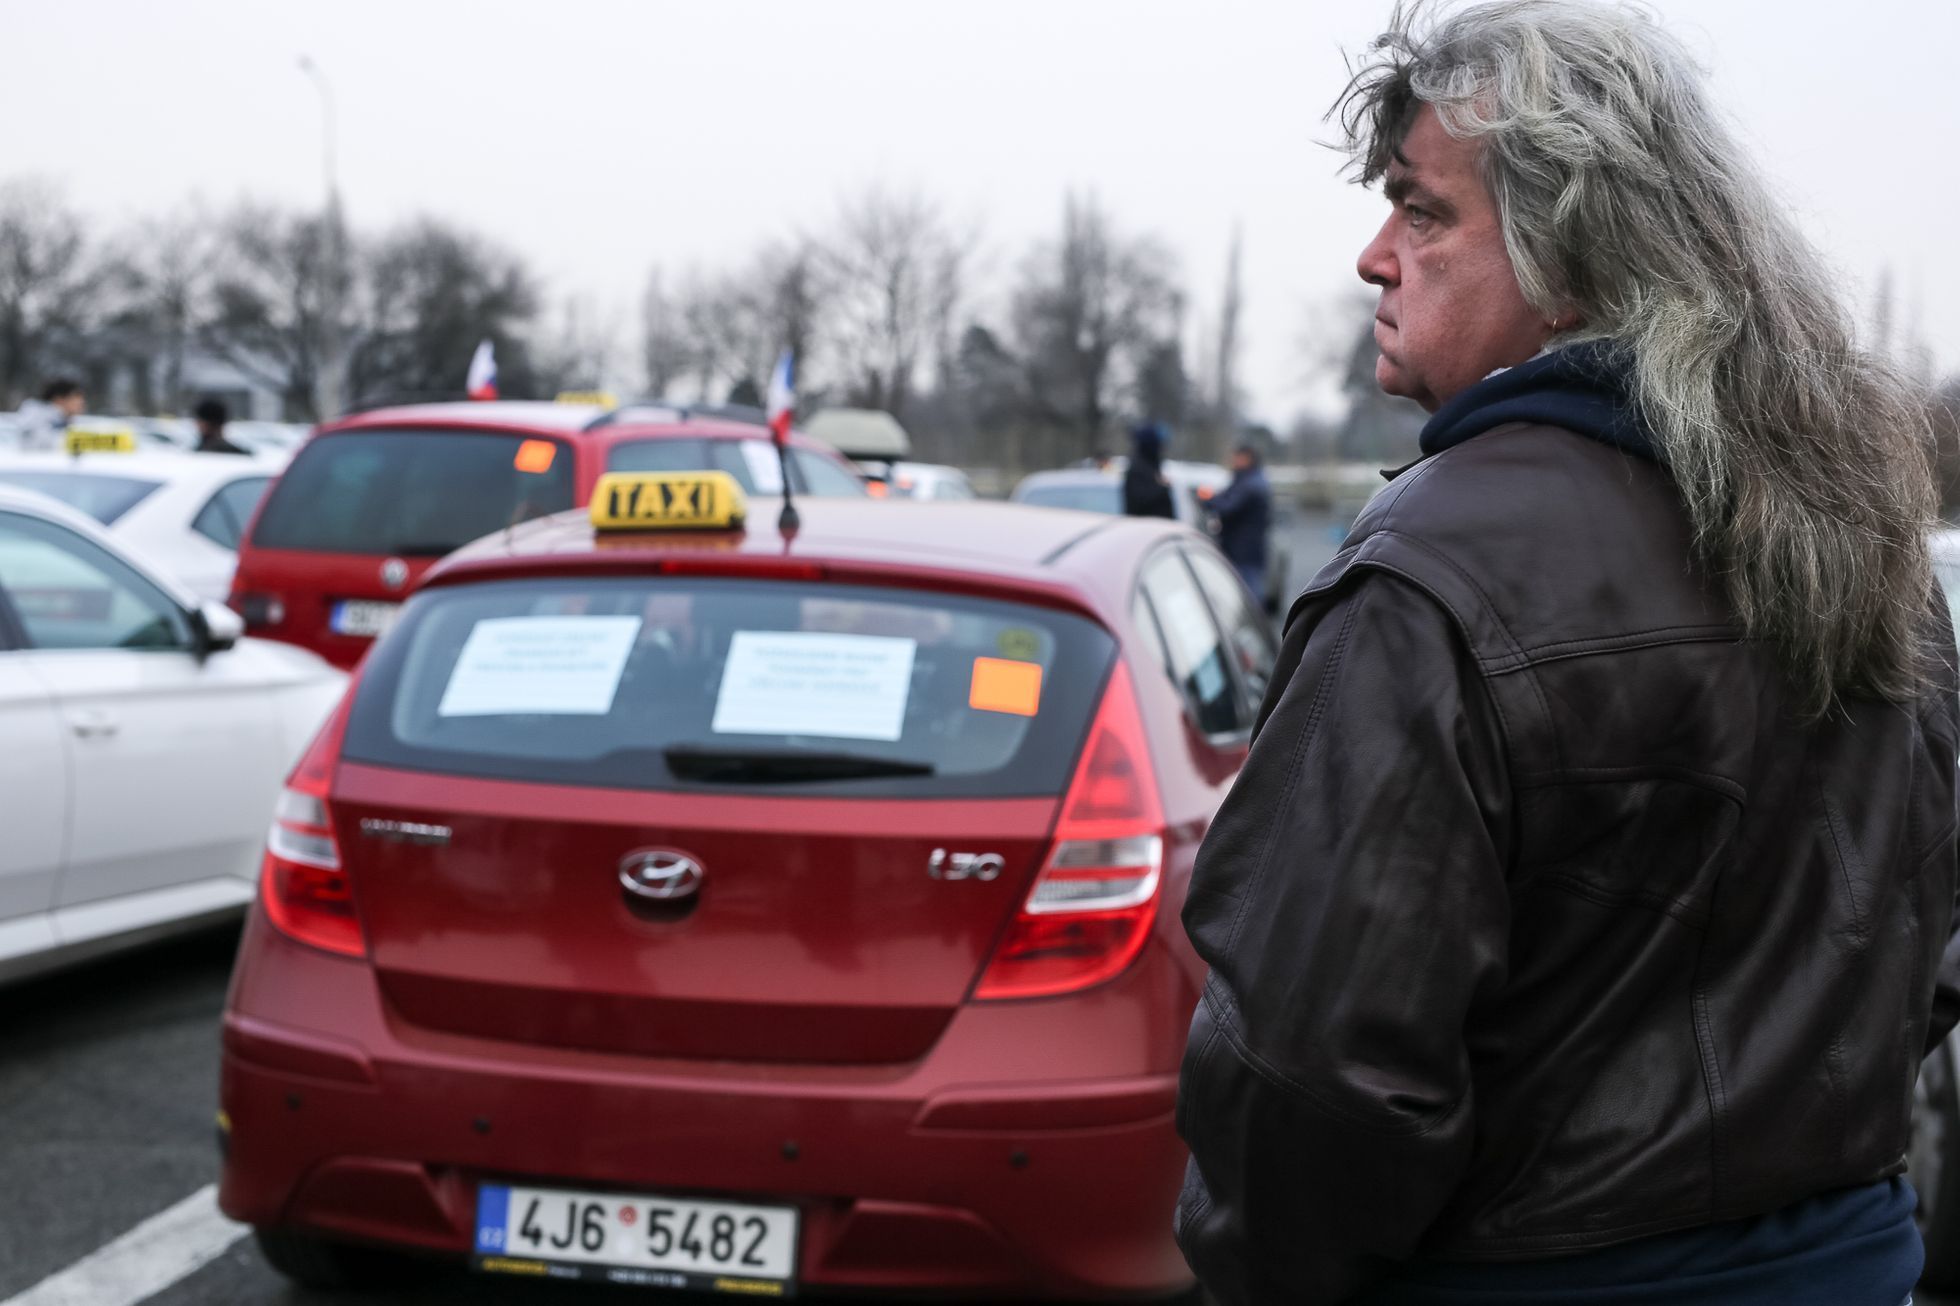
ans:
(1089, 311)
(893, 268)
(1225, 398)
(165, 268)
(666, 350)
(50, 292)
(278, 304)
(434, 290)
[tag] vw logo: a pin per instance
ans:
(394, 573)
(660, 875)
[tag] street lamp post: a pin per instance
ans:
(328, 380)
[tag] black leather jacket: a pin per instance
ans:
(1537, 920)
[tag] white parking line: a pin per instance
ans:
(143, 1262)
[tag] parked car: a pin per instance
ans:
(141, 742)
(718, 908)
(371, 501)
(927, 481)
(1100, 489)
(181, 512)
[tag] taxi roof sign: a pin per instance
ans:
(668, 501)
(99, 437)
(603, 398)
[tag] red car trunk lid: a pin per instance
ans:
(820, 932)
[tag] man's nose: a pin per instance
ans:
(1377, 264)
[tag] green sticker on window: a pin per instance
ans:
(1019, 644)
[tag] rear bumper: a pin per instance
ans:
(1030, 1154)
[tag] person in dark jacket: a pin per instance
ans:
(1586, 903)
(211, 417)
(1146, 491)
(1244, 510)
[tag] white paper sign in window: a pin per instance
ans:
(803, 683)
(765, 466)
(552, 666)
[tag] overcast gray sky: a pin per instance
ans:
(602, 138)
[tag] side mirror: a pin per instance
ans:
(215, 628)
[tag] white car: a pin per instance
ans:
(143, 743)
(1100, 489)
(179, 511)
(928, 481)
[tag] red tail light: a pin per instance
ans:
(303, 884)
(1091, 908)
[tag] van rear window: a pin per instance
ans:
(720, 683)
(412, 493)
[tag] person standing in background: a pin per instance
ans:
(1244, 510)
(44, 421)
(211, 417)
(1146, 493)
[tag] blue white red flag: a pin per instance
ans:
(483, 372)
(782, 397)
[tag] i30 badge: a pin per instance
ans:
(660, 875)
(394, 573)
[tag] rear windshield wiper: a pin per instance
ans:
(781, 765)
(419, 549)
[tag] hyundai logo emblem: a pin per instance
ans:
(394, 573)
(660, 875)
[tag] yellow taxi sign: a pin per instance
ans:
(603, 398)
(668, 501)
(100, 437)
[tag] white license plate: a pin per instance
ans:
(660, 1242)
(367, 617)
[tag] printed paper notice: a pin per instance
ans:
(551, 666)
(801, 683)
(765, 466)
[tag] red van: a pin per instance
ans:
(713, 909)
(372, 500)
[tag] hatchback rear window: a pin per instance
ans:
(412, 493)
(718, 683)
(105, 498)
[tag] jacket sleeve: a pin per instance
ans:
(1350, 899)
(1230, 499)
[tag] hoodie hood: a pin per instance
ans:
(1583, 388)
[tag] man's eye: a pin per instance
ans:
(1417, 217)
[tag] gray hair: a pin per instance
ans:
(1624, 199)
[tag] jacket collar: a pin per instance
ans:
(1583, 388)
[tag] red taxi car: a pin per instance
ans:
(371, 501)
(726, 909)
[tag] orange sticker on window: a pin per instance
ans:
(1003, 686)
(535, 456)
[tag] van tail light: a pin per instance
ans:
(1091, 909)
(303, 883)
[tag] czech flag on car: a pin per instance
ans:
(782, 397)
(483, 372)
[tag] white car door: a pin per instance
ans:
(173, 757)
(33, 799)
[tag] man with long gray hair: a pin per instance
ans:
(1582, 914)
